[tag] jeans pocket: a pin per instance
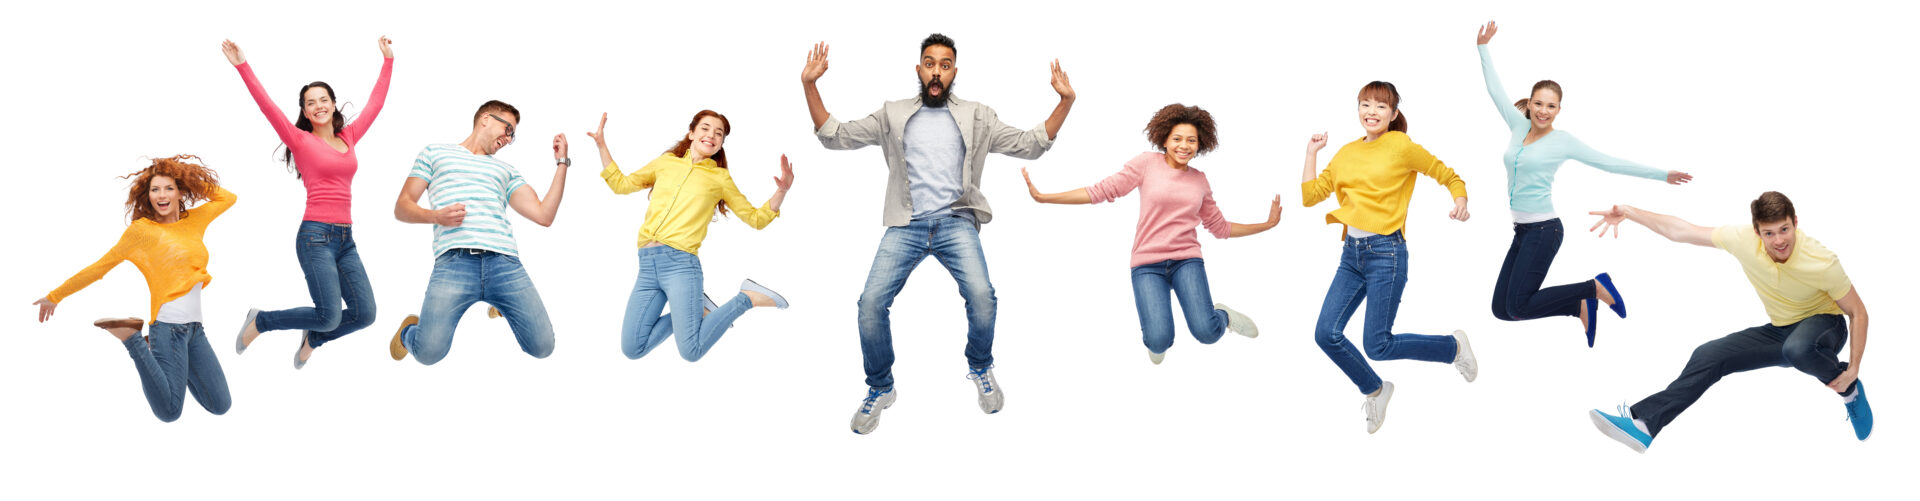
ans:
(312, 238)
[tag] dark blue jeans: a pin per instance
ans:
(955, 242)
(1517, 295)
(176, 359)
(1811, 345)
(1374, 269)
(334, 274)
(1152, 286)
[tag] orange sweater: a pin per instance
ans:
(170, 255)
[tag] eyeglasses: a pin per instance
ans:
(504, 122)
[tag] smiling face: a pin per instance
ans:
(1376, 116)
(1543, 107)
(164, 195)
(497, 130)
(936, 70)
(1182, 145)
(1777, 237)
(316, 105)
(708, 136)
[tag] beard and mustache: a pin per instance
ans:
(939, 101)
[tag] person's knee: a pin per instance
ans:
(431, 353)
(541, 348)
(167, 413)
(1327, 338)
(692, 355)
(329, 319)
(1377, 345)
(980, 297)
(1800, 354)
(220, 407)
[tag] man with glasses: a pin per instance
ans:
(475, 256)
(935, 145)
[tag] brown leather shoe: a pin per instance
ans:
(397, 348)
(113, 324)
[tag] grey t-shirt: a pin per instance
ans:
(934, 155)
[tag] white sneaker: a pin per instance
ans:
(1238, 323)
(868, 417)
(991, 398)
(1376, 406)
(1463, 357)
(1156, 357)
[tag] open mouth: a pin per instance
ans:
(1372, 122)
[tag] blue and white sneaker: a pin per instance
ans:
(778, 300)
(991, 398)
(1859, 413)
(1621, 428)
(868, 417)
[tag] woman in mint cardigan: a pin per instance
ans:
(1533, 155)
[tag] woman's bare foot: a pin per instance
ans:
(1601, 294)
(759, 300)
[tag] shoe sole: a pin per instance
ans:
(240, 340)
(1606, 426)
(397, 348)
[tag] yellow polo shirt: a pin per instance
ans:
(1806, 285)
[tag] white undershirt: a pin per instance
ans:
(185, 310)
(1520, 217)
(1359, 233)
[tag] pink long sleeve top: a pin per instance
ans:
(327, 172)
(1172, 203)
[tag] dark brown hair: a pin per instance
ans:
(1174, 114)
(1543, 84)
(496, 105)
(1772, 207)
(195, 181)
(719, 157)
(1385, 92)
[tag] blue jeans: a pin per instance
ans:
(1811, 345)
(332, 264)
(1152, 285)
(669, 275)
(1517, 294)
(955, 242)
(176, 359)
(462, 277)
(1374, 269)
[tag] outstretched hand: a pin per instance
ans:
(1060, 83)
(386, 47)
(1273, 213)
(1031, 191)
(784, 181)
(46, 308)
(1677, 177)
(233, 53)
(816, 64)
(1486, 32)
(600, 135)
(1609, 220)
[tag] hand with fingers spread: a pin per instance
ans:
(816, 64)
(1677, 177)
(600, 135)
(1060, 83)
(46, 308)
(386, 47)
(1459, 212)
(232, 50)
(450, 216)
(1486, 32)
(1610, 219)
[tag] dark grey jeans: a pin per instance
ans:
(1811, 345)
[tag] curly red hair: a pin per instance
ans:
(194, 179)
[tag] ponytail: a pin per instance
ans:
(1384, 92)
(1522, 104)
(1399, 122)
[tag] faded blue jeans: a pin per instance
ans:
(173, 360)
(955, 242)
(669, 275)
(462, 277)
(1152, 285)
(334, 274)
(1373, 269)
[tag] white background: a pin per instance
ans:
(1811, 101)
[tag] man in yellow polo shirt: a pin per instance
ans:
(1805, 291)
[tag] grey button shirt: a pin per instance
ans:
(981, 132)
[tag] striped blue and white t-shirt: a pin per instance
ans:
(483, 183)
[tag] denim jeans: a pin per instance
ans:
(175, 359)
(1517, 295)
(1374, 269)
(669, 275)
(955, 242)
(1152, 285)
(1811, 345)
(332, 264)
(462, 277)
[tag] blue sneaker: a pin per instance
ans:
(868, 417)
(1619, 303)
(1621, 429)
(1859, 413)
(1593, 319)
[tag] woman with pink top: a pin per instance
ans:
(1174, 198)
(320, 150)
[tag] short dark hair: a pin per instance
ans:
(938, 39)
(1174, 114)
(496, 105)
(1770, 207)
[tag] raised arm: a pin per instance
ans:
(815, 68)
(1078, 196)
(1671, 227)
(541, 210)
(1856, 338)
(1065, 89)
(378, 100)
(759, 217)
(275, 117)
(1515, 120)
(621, 183)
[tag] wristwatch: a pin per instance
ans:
(564, 161)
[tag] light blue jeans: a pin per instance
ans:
(955, 242)
(334, 274)
(1374, 269)
(1153, 284)
(178, 360)
(462, 277)
(669, 275)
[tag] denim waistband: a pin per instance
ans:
(1541, 225)
(1394, 237)
(659, 249)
